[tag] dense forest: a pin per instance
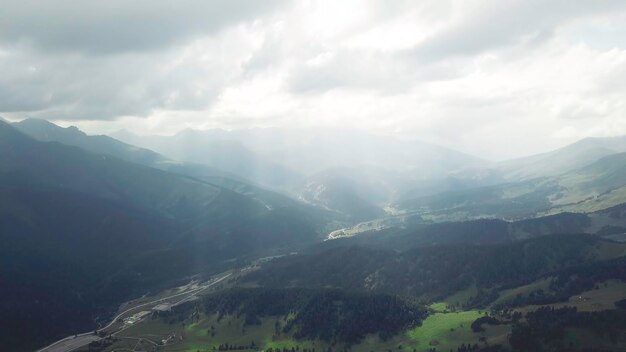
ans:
(435, 272)
(329, 315)
(546, 330)
(83, 232)
(571, 281)
(415, 231)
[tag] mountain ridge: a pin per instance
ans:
(46, 131)
(589, 188)
(114, 230)
(561, 160)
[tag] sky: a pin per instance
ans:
(493, 78)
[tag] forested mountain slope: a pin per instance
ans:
(48, 132)
(609, 223)
(597, 186)
(435, 272)
(83, 231)
(569, 158)
(228, 155)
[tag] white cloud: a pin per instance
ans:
(493, 78)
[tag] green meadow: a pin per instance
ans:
(445, 331)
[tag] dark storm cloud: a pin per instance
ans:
(113, 26)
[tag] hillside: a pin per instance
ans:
(437, 272)
(113, 229)
(67, 258)
(569, 158)
(48, 132)
(545, 165)
(72, 200)
(610, 223)
(378, 168)
(226, 155)
(594, 187)
(326, 315)
(344, 195)
(536, 295)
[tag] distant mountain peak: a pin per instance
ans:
(6, 127)
(42, 123)
(616, 143)
(559, 161)
(8, 134)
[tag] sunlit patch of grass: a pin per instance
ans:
(445, 330)
(287, 343)
(525, 290)
(439, 307)
(291, 316)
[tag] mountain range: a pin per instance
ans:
(378, 168)
(84, 230)
(597, 186)
(360, 175)
(88, 222)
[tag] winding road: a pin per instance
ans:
(73, 342)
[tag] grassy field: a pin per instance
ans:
(525, 290)
(202, 333)
(599, 299)
(445, 331)
(439, 307)
(583, 203)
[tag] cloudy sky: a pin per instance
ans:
(495, 78)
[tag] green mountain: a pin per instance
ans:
(87, 222)
(343, 194)
(377, 169)
(608, 223)
(593, 187)
(436, 272)
(45, 131)
(82, 232)
(546, 165)
(597, 186)
(562, 160)
(319, 314)
(227, 155)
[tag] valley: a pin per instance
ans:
(207, 267)
(135, 312)
(192, 329)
